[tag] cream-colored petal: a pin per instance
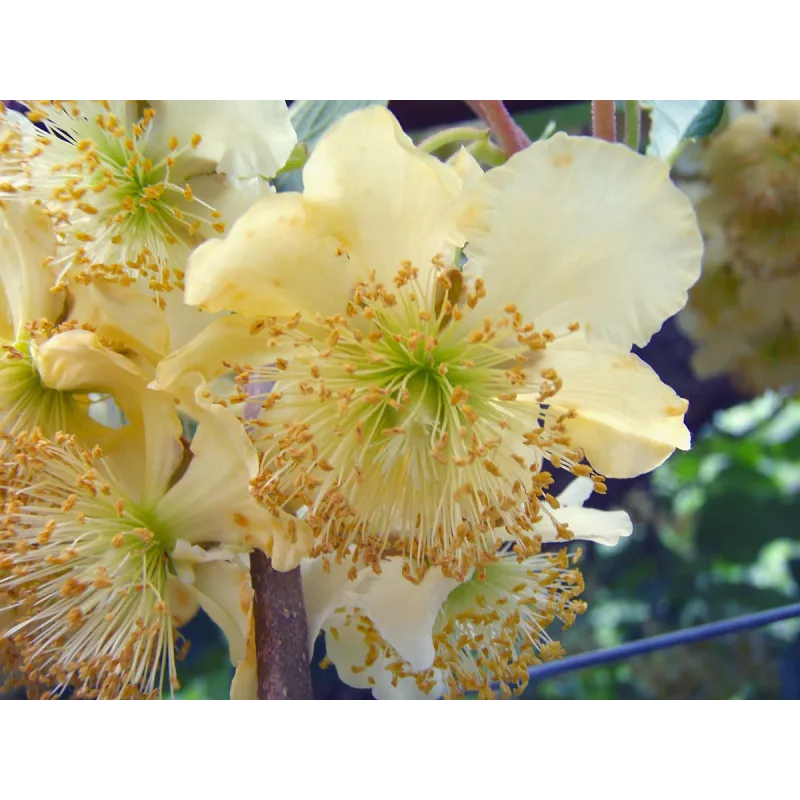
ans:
(346, 648)
(404, 613)
(223, 590)
(245, 680)
(125, 316)
(26, 240)
(200, 360)
(405, 689)
(211, 503)
(182, 602)
(579, 230)
(291, 539)
(385, 201)
(241, 138)
(325, 588)
(273, 262)
(589, 524)
(627, 421)
(229, 196)
(148, 451)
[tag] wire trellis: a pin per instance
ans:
(699, 633)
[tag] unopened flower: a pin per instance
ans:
(104, 556)
(415, 401)
(445, 637)
(134, 186)
(753, 197)
(744, 313)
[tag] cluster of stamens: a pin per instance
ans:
(489, 632)
(403, 421)
(85, 572)
(115, 206)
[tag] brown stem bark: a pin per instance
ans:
(281, 632)
(604, 120)
(510, 137)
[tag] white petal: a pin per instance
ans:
(580, 230)
(346, 648)
(406, 688)
(325, 589)
(405, 613)
(576, 493)
(242, 138)
(229, 196)
(244, 685)
(589, 524)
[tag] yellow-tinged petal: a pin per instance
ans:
(26, 240)
(183, 603)
(212, 501)
(579, 230)
(241, 138)
(403, 612)
(291, 541)
(325, 589)
(626, 421)
(384, 200)
(147, 452)
(272, 262)
(123, 315)
(223, 590)
(226, 338)
(244, 685)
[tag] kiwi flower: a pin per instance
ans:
(104, 556)
(430, 340)
(134, 186)
(441, 637)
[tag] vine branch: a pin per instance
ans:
(281, 631)
(604, 120)
(509, 135)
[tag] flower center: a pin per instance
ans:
(115, 204)
(400, 421)
(87, 571)
(27, 403)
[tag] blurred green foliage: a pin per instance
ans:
(716, 536)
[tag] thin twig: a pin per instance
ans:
(509, 135)
(281, 632)
(633, 118)
(604, 120)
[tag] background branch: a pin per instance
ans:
(509, 135)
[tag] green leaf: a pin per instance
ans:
(311, 118)
(706, 122)
(674, 122)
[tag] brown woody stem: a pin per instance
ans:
(509, 135)
(281, 632)
(604, 120)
